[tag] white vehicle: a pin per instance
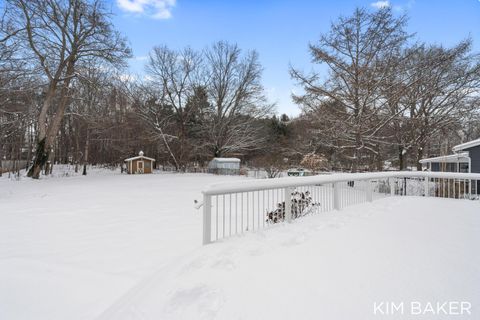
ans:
(299, 172)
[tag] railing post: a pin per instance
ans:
(336, 196)
(288, 204)
(207, 219)
(427, 187)
(392, 186)
(470, 189)
(369, 191)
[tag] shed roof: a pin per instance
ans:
(226, 159)
(139, 157)
(467, 145)
(459, 157)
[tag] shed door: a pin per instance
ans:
(148, 167)
(140, 166)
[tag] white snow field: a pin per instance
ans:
(111, 246)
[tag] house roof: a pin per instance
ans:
(226, 159)
(467, 145)
(139, 157)
(459, 157)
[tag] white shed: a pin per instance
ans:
(224, 166)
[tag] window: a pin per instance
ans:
(451, 167)
(464, 167)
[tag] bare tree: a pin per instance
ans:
(59, 34)
(174, 77)
(18, 96)
(471, 123)
(237, 99)
(158, 117)
(358, 52)
(444, 94)
(87, 108)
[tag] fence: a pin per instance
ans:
(185, 170)
(224, 171)
(234, 208)
(12, 165)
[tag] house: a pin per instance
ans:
(139, 164)
(466, 158)
(224, 166)
(473, 150)
(451, 163)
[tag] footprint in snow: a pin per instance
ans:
(336, 225)
(224, 263)
(200, 301)
(196, 264)
(299, 239)
(256, 252)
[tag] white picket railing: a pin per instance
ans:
(236, 207)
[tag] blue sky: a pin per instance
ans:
(279, 30)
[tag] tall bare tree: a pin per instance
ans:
(174, 76)
(444, 94)
(237, 98)
(18, 95)
(358, 52)
(59, 34)
(157, 117)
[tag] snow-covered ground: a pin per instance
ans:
(111, 246)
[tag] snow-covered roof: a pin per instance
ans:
(139, 157)
(466, 145)
(226, 159)
(459, 157)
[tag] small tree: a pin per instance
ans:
(272, 163)
(314, 162)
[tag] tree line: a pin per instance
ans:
(387, 96)
(379, 96)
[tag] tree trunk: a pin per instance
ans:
(357, 152)
(75, 158)
(41, 154)
(401, 160)
(379, 163)
(355, 161)
(177, 167)
(46, 137)
(54, 127)
(85, 157)
(30, 145)
(41, 158)
(419, 157)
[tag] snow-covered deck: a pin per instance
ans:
(79, 248)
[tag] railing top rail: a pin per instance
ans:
(254, 185)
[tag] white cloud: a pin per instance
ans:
(380, 4)
(157, 9)
(404, 7)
